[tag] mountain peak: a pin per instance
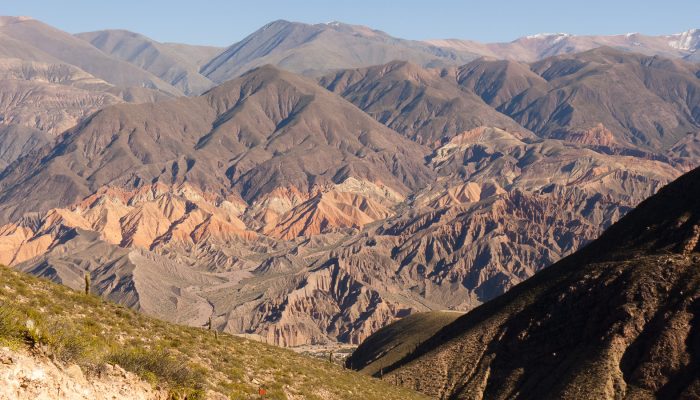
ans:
(7, 20)
(544, 35)
(687, 41)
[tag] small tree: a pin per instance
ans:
(87, 283)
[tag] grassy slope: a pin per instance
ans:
(83, 329)
(391, 343)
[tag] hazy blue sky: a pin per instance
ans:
(224, 22)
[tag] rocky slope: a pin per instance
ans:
(50, 97)
(283, 211)
(17, 140)
(31, 40)
(28, 377)
(615, 320)
(603, 97)
(52, 80)
(396, 340)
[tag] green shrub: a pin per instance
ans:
(71, 345)
(160, 365)
(11, 329)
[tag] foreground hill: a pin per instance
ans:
(617, 319)
(396, 340)
(70, 327)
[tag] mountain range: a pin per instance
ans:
(305, 187)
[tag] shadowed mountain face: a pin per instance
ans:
(617, 319)
(17, 140)
(394, 341)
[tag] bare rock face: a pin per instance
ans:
(146, 218)
(327, 211)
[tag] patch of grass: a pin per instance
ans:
(11, 330)
(84, 329)
(160, 363)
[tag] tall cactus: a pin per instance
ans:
(87, 283)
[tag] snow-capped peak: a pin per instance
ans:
(688, 40)
(547, 35)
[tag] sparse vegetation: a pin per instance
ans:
(75, 328)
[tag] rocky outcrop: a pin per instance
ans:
(147, 218)
(50, 97)
(327, 212)
(27, 377)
